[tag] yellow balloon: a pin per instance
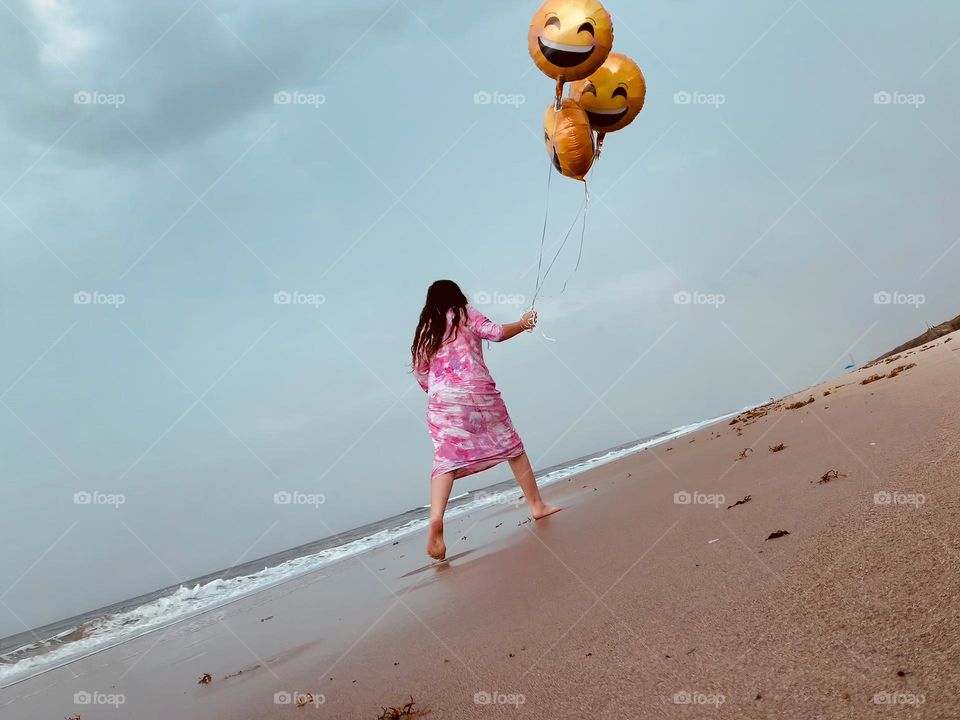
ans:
(568, 138)
(570, 39)
(613, 96)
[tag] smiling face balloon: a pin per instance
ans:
(570, 39)
(568, 138)
(613, 96)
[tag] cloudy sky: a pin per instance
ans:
(156, 193)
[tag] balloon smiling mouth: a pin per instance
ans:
(565, 56)
(606, 118)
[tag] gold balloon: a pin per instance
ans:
(613, 96)
(570, 39)
(568, 138)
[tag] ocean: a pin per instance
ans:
(30, 653)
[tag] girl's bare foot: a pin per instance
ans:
(543, 510)
(436, 548)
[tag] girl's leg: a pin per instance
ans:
(440, 488)
(528, 483)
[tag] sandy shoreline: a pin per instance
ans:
(627, 603)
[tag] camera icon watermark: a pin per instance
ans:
(95, 97)
(495, 697)
(295, 297)
(299, 699)
(95, 497)
(687, 697)
(85, 697)
(295, 497)
(686, 297)
(895, 97)
(95, 297)
(896, 297)
(296, 97)
(484, 297)
(887, 497)
(683, 497)
(695, 97)
(495, 97)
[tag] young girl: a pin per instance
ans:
(468, 421)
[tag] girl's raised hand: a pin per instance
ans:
(529, 320)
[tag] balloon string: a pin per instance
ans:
(559, 250)
(583, 232)
(543, 234)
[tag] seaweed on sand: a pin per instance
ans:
(831, 475)
(739, 502)
(410, 710)
(899, 369)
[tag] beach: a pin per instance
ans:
(713, 575)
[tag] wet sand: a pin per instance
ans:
(630, 602)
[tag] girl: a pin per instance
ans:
(468, 422)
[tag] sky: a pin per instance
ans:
(171, 173)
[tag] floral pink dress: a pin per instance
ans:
(468, 422)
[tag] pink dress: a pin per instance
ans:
(468, 422)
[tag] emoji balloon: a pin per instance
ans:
(570, 39)
(613, 96)
(568, 138)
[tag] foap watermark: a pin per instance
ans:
(484, 297)
(297, 97)
(698, 498)
(85, 697)
(283, 497)
(486, 97)
(95, 97)
(695, 97)
(295, 297)
(299, 699)
(500, 499)
(686, 697)
(898, 698)
(495, 697)
(685, 297)
(887, 497)
(895, 97)
(95, 497)
(95, 297)
(895, 297)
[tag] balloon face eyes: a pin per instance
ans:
(570, 38)
(614, 95)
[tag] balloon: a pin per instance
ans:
(568, 138)
(570, 39)
(613, 96)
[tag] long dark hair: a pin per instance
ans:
(442, 296)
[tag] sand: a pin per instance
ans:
(628, 604)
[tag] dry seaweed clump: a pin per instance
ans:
(751, 416)
(831, 475)
(205, 679)
(410, 710)
(899, 369)
(776, 448)
(801, 403)
(742, 455)
(872, 379)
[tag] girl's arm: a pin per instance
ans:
(527, 322)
